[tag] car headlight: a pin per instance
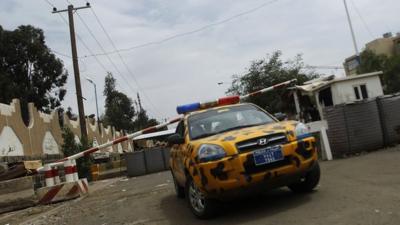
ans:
(301, 131)
(208, 152)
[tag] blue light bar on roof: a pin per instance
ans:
(182, 109)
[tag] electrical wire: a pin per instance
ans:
(81, 42)
(188, 32)
(62, 54)
(51, 4)
(84, 44)
(362, 19)
(125, 64)
(116, 68)
(102, 48)
(91, 52)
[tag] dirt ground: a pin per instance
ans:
(361, 190)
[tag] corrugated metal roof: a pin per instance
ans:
(317, 84)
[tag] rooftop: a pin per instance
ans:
(319, 83)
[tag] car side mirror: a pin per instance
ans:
(176, 139)
(280, 116)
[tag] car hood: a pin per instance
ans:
(229, 139)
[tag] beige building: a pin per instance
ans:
(388, 45)
(42, 137)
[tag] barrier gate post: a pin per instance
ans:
(69, 171)
(48, 175)
(76, 177)
(56, 175)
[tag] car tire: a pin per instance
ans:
(179, 190)
(308, 182)
(201, 206)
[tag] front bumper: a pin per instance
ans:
(239, 172)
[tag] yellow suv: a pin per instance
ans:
(224, 151)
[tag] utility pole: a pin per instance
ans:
(351, 29)
(75, 63)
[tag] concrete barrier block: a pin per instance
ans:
(61, 192)
(117, 164)
(154, 160)
(135, 163)
(108, 174)
(17, 194)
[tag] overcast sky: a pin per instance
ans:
(187, 69)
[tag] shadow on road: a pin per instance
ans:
(237, 211)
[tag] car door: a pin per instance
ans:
(178, 154)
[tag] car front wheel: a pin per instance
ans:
(308, 182)
(201, 206)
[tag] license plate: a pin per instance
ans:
(267, 155)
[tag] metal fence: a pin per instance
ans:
(390, 118)
(363, 126)
(147, 161)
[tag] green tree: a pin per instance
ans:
(371, 62)
(119, 110)
(267, 72)
(70, 147)
(29, 70)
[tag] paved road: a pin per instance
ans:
(358, 190)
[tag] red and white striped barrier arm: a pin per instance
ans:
(276, 86)
(111, 143)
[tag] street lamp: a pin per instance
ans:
(95, 94)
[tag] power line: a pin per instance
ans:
(362, 19)
(54, 51)
(79, 38)
(188, 32)
(102, 48)
(125, 64)
(51, 4)
(75, 63)
(81, 42)
(85, 45)
(59, 53)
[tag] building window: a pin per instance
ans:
(364, 92)
(353, 64)
(360, 91)
(357, 93)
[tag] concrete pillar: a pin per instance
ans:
(56, 176)
(69, 171)
(321, 114)
(297, 104)
(76, 177)
(325, 144)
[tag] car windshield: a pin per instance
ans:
(225, 119)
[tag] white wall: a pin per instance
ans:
(10, 145)
(343, 91)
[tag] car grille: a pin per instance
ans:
(261, 142)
